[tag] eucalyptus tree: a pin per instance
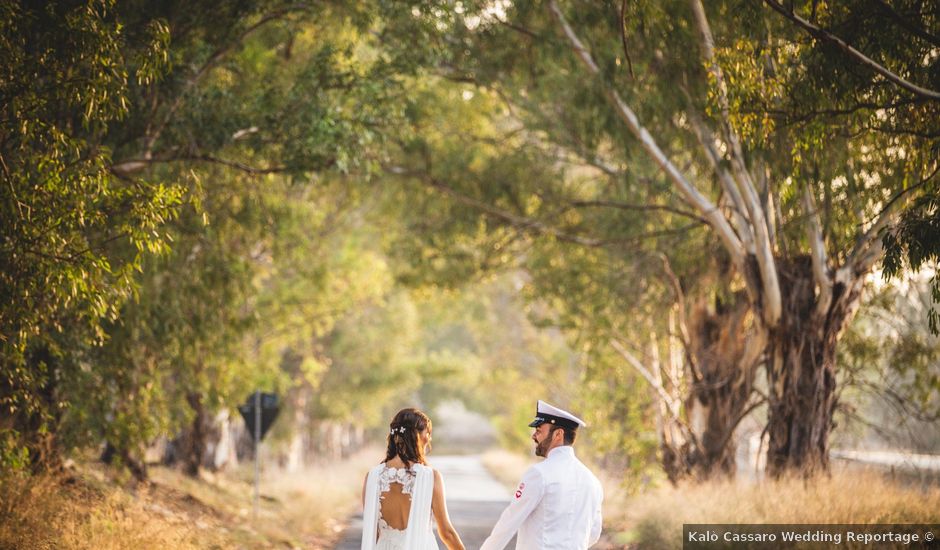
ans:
(176, 354)
(802, 293)
(792, 148)
(116, 113)
(485, 195)
(276, 97)
(67, 76)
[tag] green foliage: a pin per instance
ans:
(545, 177)
(152, 214)
(915, 243)
(891, 368)
(64, 214)
(201, 199)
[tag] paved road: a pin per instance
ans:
(474, 501)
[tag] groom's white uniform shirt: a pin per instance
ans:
(556, 506)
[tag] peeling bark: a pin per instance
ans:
(802, 371)
(713, 376)
(798, 330)
(727, 343)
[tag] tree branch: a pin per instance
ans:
(792, 117)
(513, 219)
(917, 31)
(127, 167)
(822, 34)
(638, 207)
(623, 36)
(771, 298)
(869, 248)
(646, 374)
(818, 253)
(218, 54)
(767, 200)
(707, 141)
(692, 195)
(683, 323)
(519, 29)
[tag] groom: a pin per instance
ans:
(558, 502)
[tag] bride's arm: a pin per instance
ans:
(439, 506)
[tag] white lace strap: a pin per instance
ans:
(418, 535)
(370, 513)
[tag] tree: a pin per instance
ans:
(289, 116)
(795, 204)
(802, 323)
(115, 113)
(467, 174)
(68, 72)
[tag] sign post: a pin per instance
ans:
(259, 412)
(257, 452)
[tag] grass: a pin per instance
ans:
(654, 519)
(89, 508)
(80, 512)
(316, 501)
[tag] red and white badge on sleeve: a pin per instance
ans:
(519, 490)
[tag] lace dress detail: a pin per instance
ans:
(403, 476)
(389, 537)
(398, 497)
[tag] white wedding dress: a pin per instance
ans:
(418, 484)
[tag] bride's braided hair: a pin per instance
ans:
(403, 436)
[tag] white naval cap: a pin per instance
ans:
(545, 413)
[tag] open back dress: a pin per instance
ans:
(397, 509)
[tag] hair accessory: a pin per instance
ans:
(393, 431)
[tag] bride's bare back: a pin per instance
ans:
(396, 483)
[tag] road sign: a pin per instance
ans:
(258, 425)
(259, 412)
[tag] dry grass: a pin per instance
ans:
(84, 513)
(90, 510)
(316, 501)
(655, 519)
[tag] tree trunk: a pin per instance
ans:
(802, 372)
(297, 449)
(804, 380)
(220, 443)
(194, 442)
(716, 370)
(675, 441)
(36, 424)
(725, 348)
(713, 417)
(676, 451)
(137, 468)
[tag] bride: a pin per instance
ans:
(402, 494)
